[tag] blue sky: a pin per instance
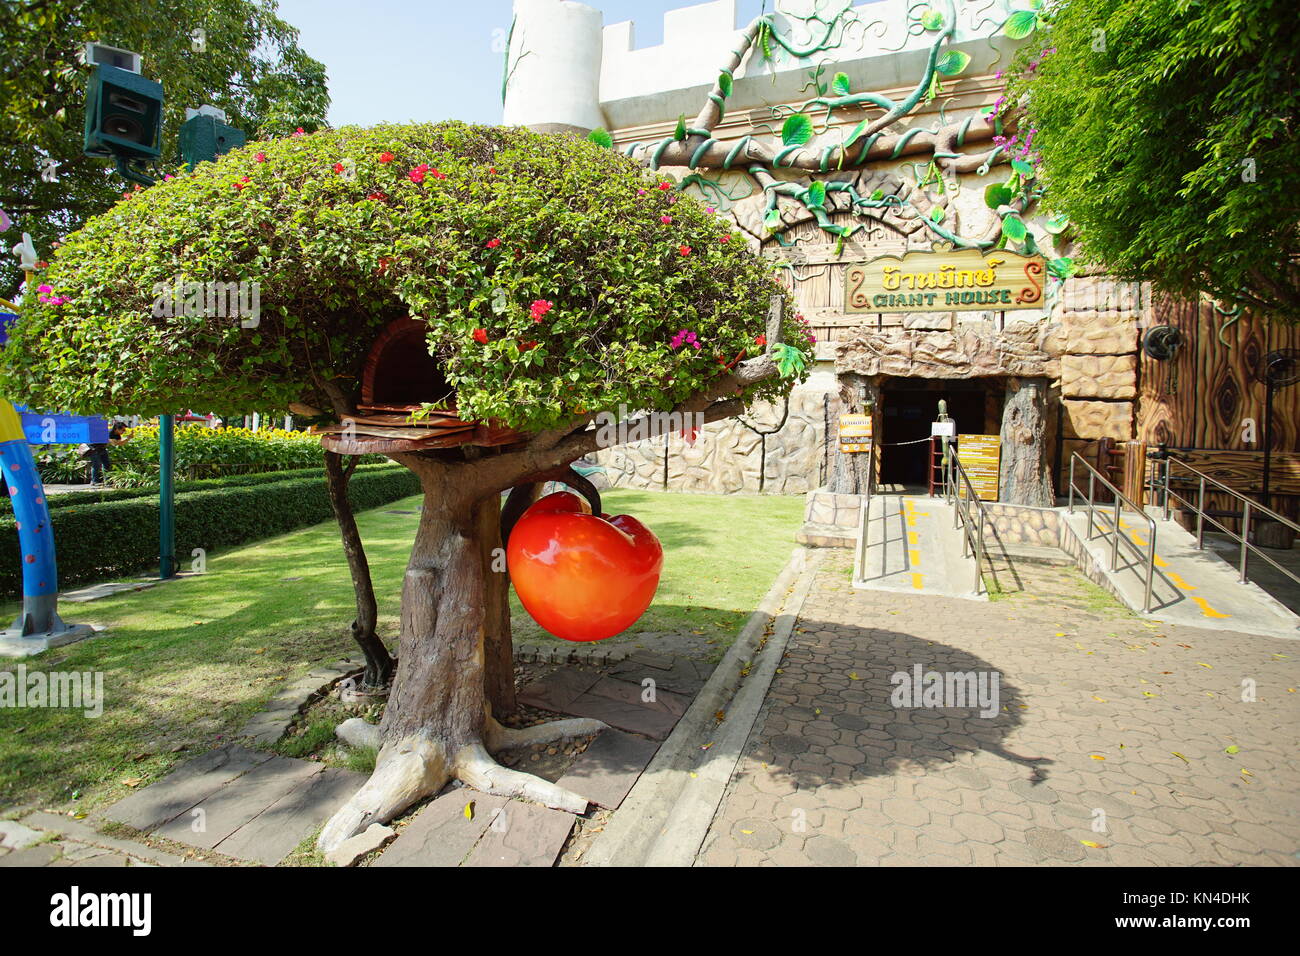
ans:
(418, 60)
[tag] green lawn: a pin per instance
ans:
(188, 662)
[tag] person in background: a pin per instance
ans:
(99, 460)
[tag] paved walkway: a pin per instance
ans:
(1110, 744)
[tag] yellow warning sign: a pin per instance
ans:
(855, 432)
(981, 456)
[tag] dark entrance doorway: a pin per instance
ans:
(908, 406)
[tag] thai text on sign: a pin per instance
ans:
(945, 280)
(855, 432)
(981, 457)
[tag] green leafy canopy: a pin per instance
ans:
(504, 218)
(1166, 132)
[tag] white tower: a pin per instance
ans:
(553, 67)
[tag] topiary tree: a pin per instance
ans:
(558, 281)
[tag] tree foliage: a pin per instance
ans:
(250, 65)
(1167, 133)
(557, 277)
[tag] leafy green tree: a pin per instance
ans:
(1167, 132)
(558, 280)
(250, 65)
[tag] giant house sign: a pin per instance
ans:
(945, 280)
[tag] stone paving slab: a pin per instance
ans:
(216, 817)
(42, 855)
(441, 834)
(1118, 740)
(558, 689)
(609, 767)
(80, 833)
(185, 787)
(619, 704)
(525, 834)
(275, 832)
(683, 676)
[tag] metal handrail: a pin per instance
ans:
(1094, 476)
(1249, 508)
(959, 492)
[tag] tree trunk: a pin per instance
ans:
(1026, 475)
(379, 663)
(437, 725)
(498, 651)
(851, 471)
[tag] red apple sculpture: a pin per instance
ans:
(582, 577)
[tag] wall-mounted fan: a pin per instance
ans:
(1162, 343)
(1277, 369)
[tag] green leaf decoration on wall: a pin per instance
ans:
(932, 19)
(601, 137)
(952, 62)
(789, 360)
(724, 84)
(798, 129)
(877, 195)
(1013, 227)
(817, 195)
(856, 134)
(997, 194)
(937, 214)
(1061, 268)
(1023, 168)
(1020, 24)
(1057, 224)
(680, 132)
(840, 85)
(772, 220)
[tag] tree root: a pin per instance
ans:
(407, 771)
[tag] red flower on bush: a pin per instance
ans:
(298, 132)
(260, 157)
(760, 340)
(480, 336)
(385, 157)
(539, 308)
(665, 185)
(378, 196)
(685, 250)
(493, 243)
(339, 167)
(526, 346)
(726, 238)
(241, 183)
(666, 219)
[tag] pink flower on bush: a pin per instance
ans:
(666, 219)
(726, 238)
(299, 132)
(685, 337)
(417, 174)
(539, 308)
(260, 157)
(640, 192)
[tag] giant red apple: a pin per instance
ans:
(580, 576)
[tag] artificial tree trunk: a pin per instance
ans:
(850, 472)
(438, 723)
(498, 651)
(1026, 475)
(379, 663)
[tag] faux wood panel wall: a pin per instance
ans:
(1214, 389)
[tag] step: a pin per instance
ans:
(910, 546)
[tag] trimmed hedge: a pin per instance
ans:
(117, 538)
(100, 495)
